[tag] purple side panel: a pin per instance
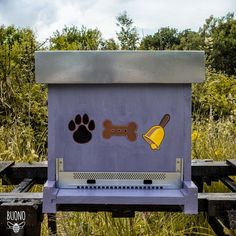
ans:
(190, 192)
(187, 132)
(49, 197)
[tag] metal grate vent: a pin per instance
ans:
(120, 187)
(120, 175)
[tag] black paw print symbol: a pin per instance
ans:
(82, 128)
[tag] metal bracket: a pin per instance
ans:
(137, 180)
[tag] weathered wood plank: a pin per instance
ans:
(217, 226)
(231, 162)
(21, 196)
(24, 186)
(20, 171)
(217, 196)
(5, 164)
(229, 183)
(212, 169)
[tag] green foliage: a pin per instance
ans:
(214, 98)
(220, 43)
(164, 38)
(18, 143)
(22, 102)
(214, 139)
(72, 38)
(170, 39)
(109, 44)
(190, 40)
(128, 35)
(217, 38)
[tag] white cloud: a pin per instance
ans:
(47, 16)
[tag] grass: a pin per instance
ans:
(142, 224)
(214, 139)
(210, 139)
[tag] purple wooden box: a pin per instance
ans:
(119, 127)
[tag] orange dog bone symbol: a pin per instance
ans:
(118, 130)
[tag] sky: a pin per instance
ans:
(47, 16)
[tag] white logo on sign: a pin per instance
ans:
(15, 227)
(13, 218)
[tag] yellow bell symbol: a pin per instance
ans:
(155, 135)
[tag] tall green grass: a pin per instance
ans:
(142, 224)
(214, 139)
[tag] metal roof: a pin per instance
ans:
(114, 67)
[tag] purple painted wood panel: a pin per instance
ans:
(143, 104)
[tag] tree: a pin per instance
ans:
(190, 40)
(165, 38)
(72, 38)
(22, 102)
(216, 97)
(219, 35)
(109, 44)
(128, 35)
